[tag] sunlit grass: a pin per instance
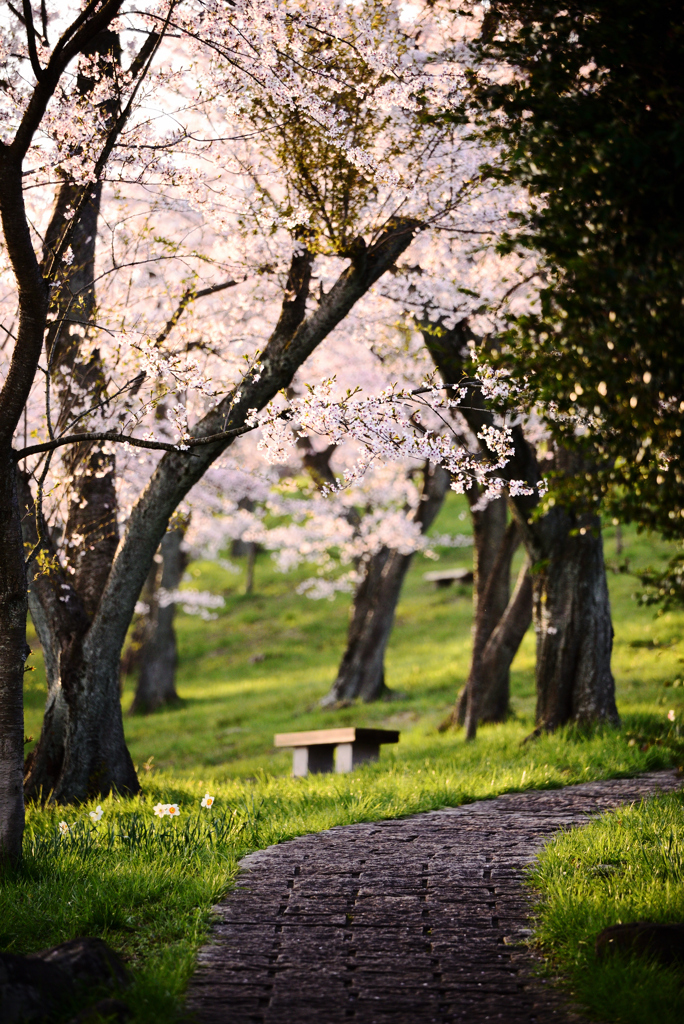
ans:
(627, 866)
(147, 886)
(261, 667)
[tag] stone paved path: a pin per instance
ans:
(410, 922)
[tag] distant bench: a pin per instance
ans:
(323, 750)
(446, 577)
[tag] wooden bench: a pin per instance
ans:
(321, 750)
(446, 577)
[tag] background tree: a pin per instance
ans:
(156, 656)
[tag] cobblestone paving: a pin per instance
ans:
(419, 920)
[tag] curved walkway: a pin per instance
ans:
(413, 921)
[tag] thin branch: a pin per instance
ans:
(185, 300)
(136, 442)
(44, 21)
(137, 380)
(31, 40)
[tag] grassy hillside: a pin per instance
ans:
(264, 663)
(261, 667)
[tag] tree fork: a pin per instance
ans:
(568, 574)
(488, 615)
(94, 755)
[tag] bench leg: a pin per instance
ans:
(316, 760)
(349, 756)
(300, 761)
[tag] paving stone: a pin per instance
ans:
(413, 921)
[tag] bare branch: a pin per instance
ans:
(136, 442)
(185, 300)
(31, 40)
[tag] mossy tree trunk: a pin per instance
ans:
(157, 657)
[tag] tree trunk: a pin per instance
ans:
(82, 726)
(82, 751)
(488, 615)
(64, 604)
(251, 561)
(490, 592)
(573, 624)
(502, 647)
(13, 653)
(158, 654)
(573, 677)
(362, 669)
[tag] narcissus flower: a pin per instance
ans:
(671, 716)
(207, 801)
(64, 828)
(97, 813)
(173, 810)
(160, 810)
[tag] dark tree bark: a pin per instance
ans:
(64, 604)
(33, 302)
(246, 549)
(362, 670)
(158, 654)
(485, 695)
(13, 654)
(571, 608)
(572, 621)
(501, 648)
(84, 753)
(493, 551)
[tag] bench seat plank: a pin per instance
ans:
(351, 734)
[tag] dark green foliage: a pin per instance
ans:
(664, 587)
(592, 123)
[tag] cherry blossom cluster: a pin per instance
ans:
(197, 196)
(385, 426)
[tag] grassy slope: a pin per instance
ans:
(627, 866)
(232, 703)
(220, 739)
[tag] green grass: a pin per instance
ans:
(627, 866)
(261, 668)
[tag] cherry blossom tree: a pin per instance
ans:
(85, 118)
(149, 140)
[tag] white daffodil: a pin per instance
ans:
(64, 828)
(671, 715)
(160, 810)
(207, 801)
(173, 810)
(97, 813)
